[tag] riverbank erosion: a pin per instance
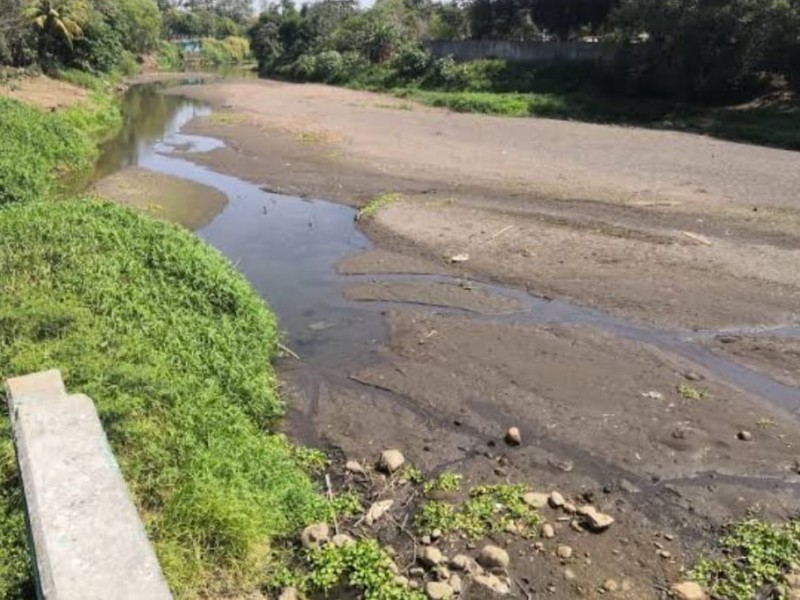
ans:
(666, 246)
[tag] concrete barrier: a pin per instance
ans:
(87, 539)
(523, 51)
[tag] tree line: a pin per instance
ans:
(691, 49)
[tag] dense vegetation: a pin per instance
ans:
(675, 62)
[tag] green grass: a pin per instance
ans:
(754, 556)
(378, 202)
(174, 347)
(38, 147)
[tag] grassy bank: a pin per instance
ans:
(578, 92)
(38, 147)
(214, 52)
(175, 348)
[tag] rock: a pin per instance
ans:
(627, 487)
(569, 574)
(535, 500)
(442, 573)
(393, 567)
(564, 552)
(493, 583)
(425, 540)
(459, 258)
(576, 525)
(315, 535)
(289, 593)
(688, 590)
(745, 436)
(391, 460)
(436, 534)
(556, 500)
(377, 510)
(665, 554)
(548, 531)
(513, 437)
(692, 376)
(585, 510)
(455, 583)
(438, 590)
(416, 572)
(569, 508)
(610, 585)
(792, 580)
(462, 562)
(353, 466)
(342, 540)
(400, 580)
(430, 556)
(653, 395)
(493, 558)
(594, 520)
(413, 585)
(627, 585)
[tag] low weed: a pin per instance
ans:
(688, 392)
(378, 202)
(754, 556)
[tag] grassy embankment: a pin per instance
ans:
(171, 343)
(564, 91)
(228, 51)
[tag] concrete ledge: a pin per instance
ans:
(88, 541)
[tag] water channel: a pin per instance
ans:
(288, 249)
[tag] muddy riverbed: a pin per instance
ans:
(582, 314)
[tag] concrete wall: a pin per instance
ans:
(522, 51)
(87, 539)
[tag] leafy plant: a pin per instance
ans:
(688, 392)
(446, 482)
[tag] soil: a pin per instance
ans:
(43, 92)
(664, 233)
(170, 198)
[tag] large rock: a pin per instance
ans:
(688, 590)
(493, 558)
(595, 520)
(315, 535)
(492, 583)
(438, 590)
(535, 500)
(430, 556)
(462, 562)
(391, 461)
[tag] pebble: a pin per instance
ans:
(315, 535)
(462, 562)
(569, 574)
(556, 500)
(493, 583)
(595, 520)
(666, 554)
(400, 580)
(688, 590)
(455, 583)
(425, 540)
(548, 531)
(438, 590)
(353, 466)
(535, 500)
(436, 534)
(377, 510)
(576, 525)
(289, 593)
(416, 572)
(442, 573)
(493, 557)
(564, 552)
(610, 585)
(513, 437)
(569, 508)
(691, 376)
(745, 436)
(391, 460)
(430, 556)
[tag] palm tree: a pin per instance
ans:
(60, 19)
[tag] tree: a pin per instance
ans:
(139, 21)
(61, 20)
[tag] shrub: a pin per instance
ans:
(412, 62)
(170, 57)
(328, 65)
(174, 347)
(304, 67)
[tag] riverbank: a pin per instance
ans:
(663, 233)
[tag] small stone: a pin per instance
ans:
(493, 558)
(688, 590)
(400, 580)
(413, 585)
(438, 590)
(569, 574)
(548, 531)
(353, 466)
(430, 556)
(436, 534)
(341, 540)
(442, 573)
(569, 508)
(416, 572)
(535, 500)
(564, 552)
(626, 585)
(556, 500)
(456, 583)
(390, 551)
(393, 567)
(627, 487)
(665, 554)
(576, 526)
(596, 521)
(315, 535)
(391, 460)
(500, 471)
(493, 583)
(513, 437)
(745, 436)
(551, 588)
(377, 510)
(692, 376)
(289, 593)
(669, 537)
(610, 585)
(538, 546)
(462, 562)
(586, 510)
(425, 540)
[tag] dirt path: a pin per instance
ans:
(653, 229)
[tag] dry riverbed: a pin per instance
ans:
(661, 233)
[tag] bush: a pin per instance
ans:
(223, 52)
(170, 57)
(174, 347)
(304, 67)
(412, 62)
(328, 66)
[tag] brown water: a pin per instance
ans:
(288, 248)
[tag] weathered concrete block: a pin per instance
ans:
(88, 540)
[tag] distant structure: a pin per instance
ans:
(191, 49)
